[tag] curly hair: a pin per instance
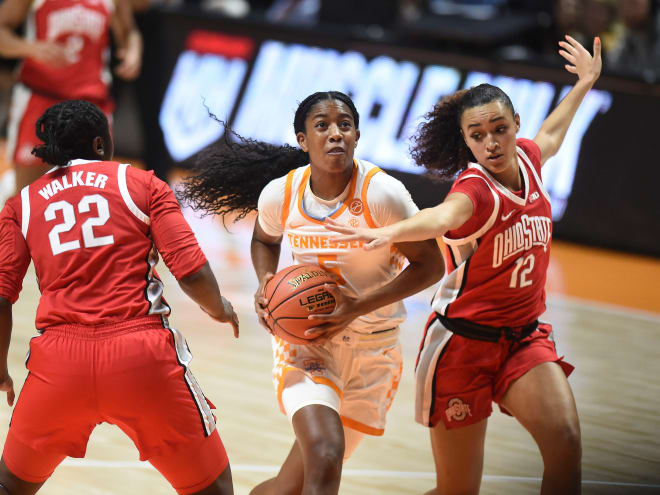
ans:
(439, 145)
(232, 172)
(67, 130)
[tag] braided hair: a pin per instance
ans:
(439, 145)
(231, 173)
(67, 130)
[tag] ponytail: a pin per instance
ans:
(232, 173)
(439, 145)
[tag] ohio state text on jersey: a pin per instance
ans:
(496, 276)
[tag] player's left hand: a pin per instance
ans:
(130, 61)
(7, 385)
(346, 310)
(373, 238)
(581, 62)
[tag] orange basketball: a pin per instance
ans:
(293, 294)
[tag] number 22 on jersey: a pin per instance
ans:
(69, 221)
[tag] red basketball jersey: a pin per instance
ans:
(82, 27)
(496, 276)
(94, 231)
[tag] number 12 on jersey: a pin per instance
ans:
(528, 263)
(69, 217)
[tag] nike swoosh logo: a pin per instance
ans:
(506, 217)
(296, 226)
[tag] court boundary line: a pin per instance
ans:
(376, 473)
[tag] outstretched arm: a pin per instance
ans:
(429, 223)
(426, 266)
(587, 68)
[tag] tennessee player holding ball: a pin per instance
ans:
(339, 387)
(292, 295)
(105, 351)
(483, 343)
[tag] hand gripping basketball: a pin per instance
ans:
(292, 295)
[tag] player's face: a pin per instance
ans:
(330, 136)
(490, 133)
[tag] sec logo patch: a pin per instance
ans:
(356, 207)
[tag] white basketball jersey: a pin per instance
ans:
(357, 271)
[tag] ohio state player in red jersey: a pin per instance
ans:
(483, 342)
(65, 55)
(93, 229)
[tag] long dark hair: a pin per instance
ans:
(439, 145)
(67, 130)
(232, 172)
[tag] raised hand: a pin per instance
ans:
(581, 62)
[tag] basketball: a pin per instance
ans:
(293, 294)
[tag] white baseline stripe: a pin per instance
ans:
(376, 473)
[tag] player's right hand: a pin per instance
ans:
(54, 54)
(7, 385)
(260, 302)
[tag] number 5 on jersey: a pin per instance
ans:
(69, 217)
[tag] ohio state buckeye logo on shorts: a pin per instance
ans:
(356, 207)
(457, 410)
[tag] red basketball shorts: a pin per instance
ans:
(25, 109)
(457, 379)
(134, 375)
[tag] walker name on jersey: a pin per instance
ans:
(75, 20)
(391, 96)
(91, 179)
(321, 242)
(521, 236)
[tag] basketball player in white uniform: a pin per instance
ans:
(339, 387)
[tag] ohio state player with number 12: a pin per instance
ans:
(105, 350)
(484, 343)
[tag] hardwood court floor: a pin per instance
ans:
(605, 308)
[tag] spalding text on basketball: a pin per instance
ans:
(294, 283)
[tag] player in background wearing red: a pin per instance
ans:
(65, 54)
(483, 342)
(341, 386)
(104, 350)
